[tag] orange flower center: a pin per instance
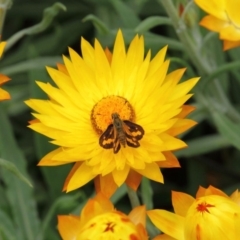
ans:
(101, 116)
(113, 225)
(203, 207)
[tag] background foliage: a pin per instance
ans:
(29, 212)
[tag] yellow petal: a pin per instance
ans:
(181, 202)
(47, 159)
(163, 237)
(151, 171)
(2, 46)
(62, 68)
(105, 203)
(118, 61)
(170, 162)
(186, 109)
(157, 61)
(212, 23)
(200, 192)
(181, 126)
(108, 55)
(68, 226)
(230, 33)
(213, 7)
(85, 78)
(213, 217)
(170, 143)
(235, 196)
(90, 210)
(138, 215)
(169, 223)
(4, 95)
(183, 88)
(105, 184)
(212, 190)
(133, 179)
(73, 170)
(80, 177)
(232, 9)
(103, 74)
(120, 176)
(88, 53)
(230, 44)
(3, 79)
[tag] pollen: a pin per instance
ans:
(204, 207)
(101, 115)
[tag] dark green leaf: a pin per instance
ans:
(99, 25)
(203, 145)
(229, 130)
(151, 22)
(127, 15)
(12, 168)
(7, 229)
(19, 194)
(48, 16)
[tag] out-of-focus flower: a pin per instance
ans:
(212, 215)
(223, 18)
(100, 221)
(4, 95)
(117, 115)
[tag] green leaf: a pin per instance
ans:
(37, 63)
(151, 22)
(203, 145)
(183, 63)
(98, 23)
(127, 15)
(7, 228)
(228, 129)
(12, 168)
(19, 195)
(219, 71)
(48, 16)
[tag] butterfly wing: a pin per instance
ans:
(134, 133)
(107, 138)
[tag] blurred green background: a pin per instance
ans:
(28, 213)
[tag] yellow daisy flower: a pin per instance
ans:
(115, 115)
(212, 215)
(4, 95)
(223, 18)
(100, 221)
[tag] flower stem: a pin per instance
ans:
(133, 197)
(203, 64)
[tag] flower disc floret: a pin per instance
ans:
(101, 115)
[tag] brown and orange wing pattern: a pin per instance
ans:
(134, 133)
(107, 138)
